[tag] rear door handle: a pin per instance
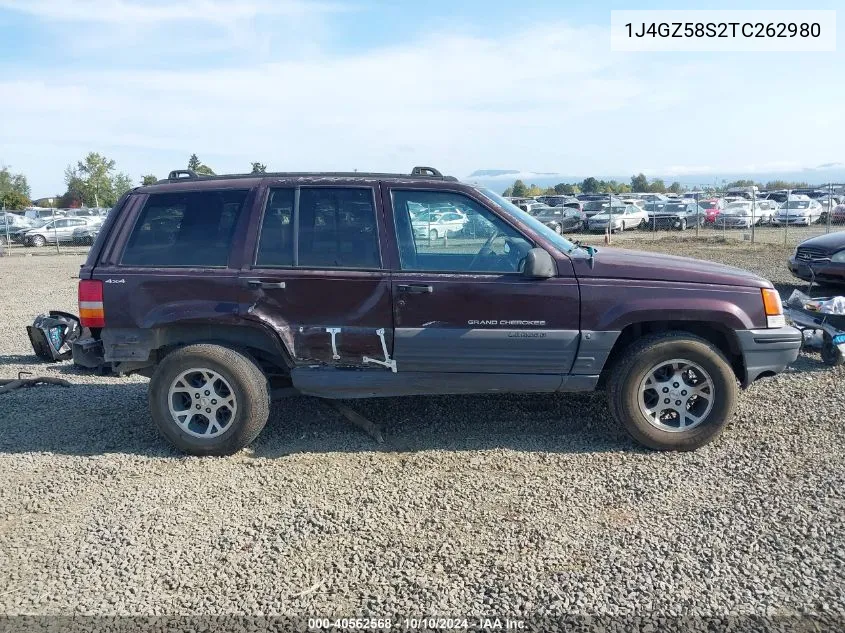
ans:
(266, 285)
(415, 288)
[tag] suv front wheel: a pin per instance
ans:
(672, 391)
(209, 399)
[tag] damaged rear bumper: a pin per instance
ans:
(88, 352)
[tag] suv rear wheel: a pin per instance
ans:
(672, 391)
(209, 399)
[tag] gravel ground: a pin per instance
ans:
(503, 505)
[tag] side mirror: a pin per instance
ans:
(539, 264)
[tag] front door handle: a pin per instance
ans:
(415, 288)
(265, 285)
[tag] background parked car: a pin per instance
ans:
(602, 205)
(677, 215)
(712, 207)
(560, 219)
(619, 219)
(799, 209)
(837, 216)
(85, 235)
(743, 215)
(60, 229)
(434, 225)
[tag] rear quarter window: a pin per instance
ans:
(185, 229)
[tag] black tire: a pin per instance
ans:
(248, 384)
(639, 359)
(38, 241)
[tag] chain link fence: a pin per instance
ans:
(54, 231)
(785, 217)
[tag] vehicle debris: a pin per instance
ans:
(10, 384)
(52, 335)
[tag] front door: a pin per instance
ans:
(461, 303)
(317, 279)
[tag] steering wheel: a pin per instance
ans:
(485, 250)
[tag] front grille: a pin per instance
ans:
(809, 254)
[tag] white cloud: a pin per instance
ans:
(548, 98)
(156, 12)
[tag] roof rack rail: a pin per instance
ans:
(417, 172)
(182, 174)
(426, 171)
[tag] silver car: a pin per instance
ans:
(60, 229)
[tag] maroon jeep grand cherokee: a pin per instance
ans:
(352, 285)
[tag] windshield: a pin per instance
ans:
(798, 204)
(560, 242)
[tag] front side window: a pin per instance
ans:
(332, 227)
(185, 229)
(469, 239)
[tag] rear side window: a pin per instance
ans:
(331, 227)
(185, 229)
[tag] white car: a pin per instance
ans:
(434, 225)
(743, 214)
(618, 219)
(798, 209)
(637, 202)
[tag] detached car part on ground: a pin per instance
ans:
(325, 283)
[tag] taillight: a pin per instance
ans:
(91, 313)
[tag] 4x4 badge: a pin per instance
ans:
(115, 281)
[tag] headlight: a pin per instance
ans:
(839, 257)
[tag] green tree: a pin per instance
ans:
(92, 176)
(590, 185)
(519, 190)
(533, 191)
(507, 193)
(13, 200)
(13, 182)
(784, 184)
(121, 184)
(741, 183)
(259, 168)
(675, 187)
(199, 167)
(639, 183)
(657, 186)
(564, 189)
(149, 179)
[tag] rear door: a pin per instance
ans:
(461, 302)
(171, 262)
(316, 275)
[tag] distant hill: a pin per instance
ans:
(499, 179)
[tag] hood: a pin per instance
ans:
(830, 242)
(604, 216)
(625, 264)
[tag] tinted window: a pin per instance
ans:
(275, 246)
(185, 229)
(337, 228)
(474, 240)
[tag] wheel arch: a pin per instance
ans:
(135, 349)
(720, 336)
